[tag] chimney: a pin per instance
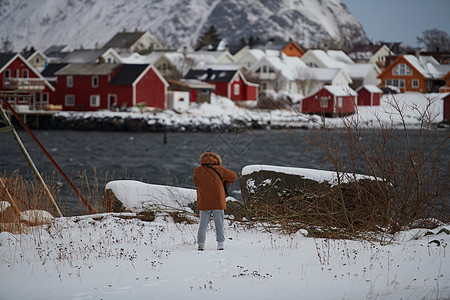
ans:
(209, 72)
(418, 54)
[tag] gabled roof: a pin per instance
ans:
(340, 90)
(52, 68)
(5, 58)
(288, 66)
(360, 70)
(128, 74)
(371, 88)
(211, 75)
(57, 51)
(124, 40)
(329, 59)
(87, 69)
(83, 56)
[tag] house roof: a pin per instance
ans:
(427, 66)
(128, 74)
(371, 88)
(331, 58)
(321, 74)
(6, 58)
(289, 66)
(211, 75)
(83, 56)
(87, 69)
(359, 70)
(57, 51)
(124, 40)
(193, 83)
(340, 90)
(52, 68)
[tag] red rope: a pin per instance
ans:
(82, 199)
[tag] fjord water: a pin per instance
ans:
(168, 159)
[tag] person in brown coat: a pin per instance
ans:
(210, 179)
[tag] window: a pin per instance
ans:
(69, 100)
(236, 89)
(45, 98)
(22, 100)
(340, 102)
(402, 69)
(95, 100)
(25, 73)
(16, 73)
(69, 81)
(415, 83)
(323, 102)
(7, 73)
(396, 82)
(37, 60)
(94, 81)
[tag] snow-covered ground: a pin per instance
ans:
(113, 258)
(223, 112)
(106, 256)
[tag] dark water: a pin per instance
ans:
(145, 156)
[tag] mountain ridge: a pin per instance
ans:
(177, 23)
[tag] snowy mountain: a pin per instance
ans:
(86, 23)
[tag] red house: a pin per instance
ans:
(90, 87)
(369, 95)
(17, 75)
(230, 84)
(331, 100)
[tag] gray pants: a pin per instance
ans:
(205, 216)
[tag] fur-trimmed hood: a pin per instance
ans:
(210, 158)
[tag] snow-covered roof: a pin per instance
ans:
(428, 66)
(340, 56)
(359, 70)
(289, 66)
(313, 174)
(340, 90)
(371, 88)
(331, 58)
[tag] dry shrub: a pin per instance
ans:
(27, 194)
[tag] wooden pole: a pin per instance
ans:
(82, 199)
(30, 161)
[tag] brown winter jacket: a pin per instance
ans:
(210, 191)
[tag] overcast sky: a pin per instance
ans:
(400, 20)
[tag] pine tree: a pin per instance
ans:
(208, 37)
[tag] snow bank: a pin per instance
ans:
(136, 195)
(313, 174)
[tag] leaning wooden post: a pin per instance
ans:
(29, 160)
